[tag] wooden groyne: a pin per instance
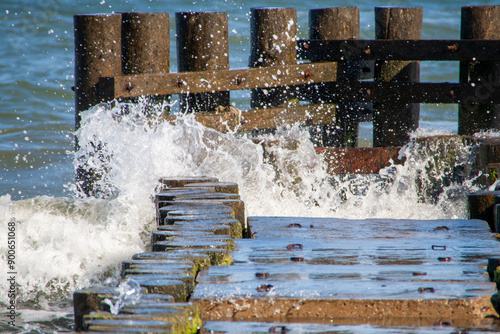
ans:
(206, 266)
(324, 81)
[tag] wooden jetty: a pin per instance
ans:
(208, 263)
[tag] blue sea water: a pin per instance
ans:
(67, 243)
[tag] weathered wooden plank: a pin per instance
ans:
(442, 50)
(354, 268)
(217, 80)
(264, 118)
(358, 160)
(407, 92)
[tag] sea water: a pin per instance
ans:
(65, 241)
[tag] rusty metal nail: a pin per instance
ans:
(238, 80)
(368, 91)
(305, 75)
(294, 225)
(444, 259)
(367, 51)
(297, 259)
(311, 226)
(306, 46)
(179, 83)
(453, 47)
(262, 275)
(295, 247)
(129, 87)
(422, 290)
(278, 329)
(442, 323)
(265, 288)
(419, 273)
(442, 228)
(452, 93)
(436, 247)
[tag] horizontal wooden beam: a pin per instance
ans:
(444, 50)
(216, 80)
(230, 119)
(404, 92)
(358, 160)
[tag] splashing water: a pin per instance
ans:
(130, 292)
(70, 243)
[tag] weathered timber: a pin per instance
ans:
(405, 92)
(146, 47)
(479, 22)
(438, 50)
(265, 118)
(392, 123)
(358, 160)
(97, 54)
(202, 44)
(216, 80)
(482, 205)
(334, 24)
(272, 35)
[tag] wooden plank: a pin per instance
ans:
(375, 268)
(230, 119)
(358, 160)
(443, 50)
(216, 80)
(406, 92)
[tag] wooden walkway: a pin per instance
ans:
(323, 269)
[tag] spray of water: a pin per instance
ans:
(69, 243)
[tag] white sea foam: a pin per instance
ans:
(68, 243)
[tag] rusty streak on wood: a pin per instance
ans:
(264, 118)
(358, 160)
(356, 49)
(217, 80)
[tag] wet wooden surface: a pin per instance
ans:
(323, 267)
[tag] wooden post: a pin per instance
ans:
(479, 22)
(273, 42)
(332, 24)
(97, 54)
(202, 44)
(392, 123)
(146, 46)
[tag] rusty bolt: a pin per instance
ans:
(452, 93)
(436, 247)
(422, 290)
(262, 275)
(278, 329)
(129, 87)
(453, 47)
(306, 46)
(297, 259)
(180, 83)
(442, 323)
(294, 225)
(305, 75)
(265, 288)
(295, 247)
(367, 51)
(238, 80)
(368, 92)
(311, 226)
(444, 259)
